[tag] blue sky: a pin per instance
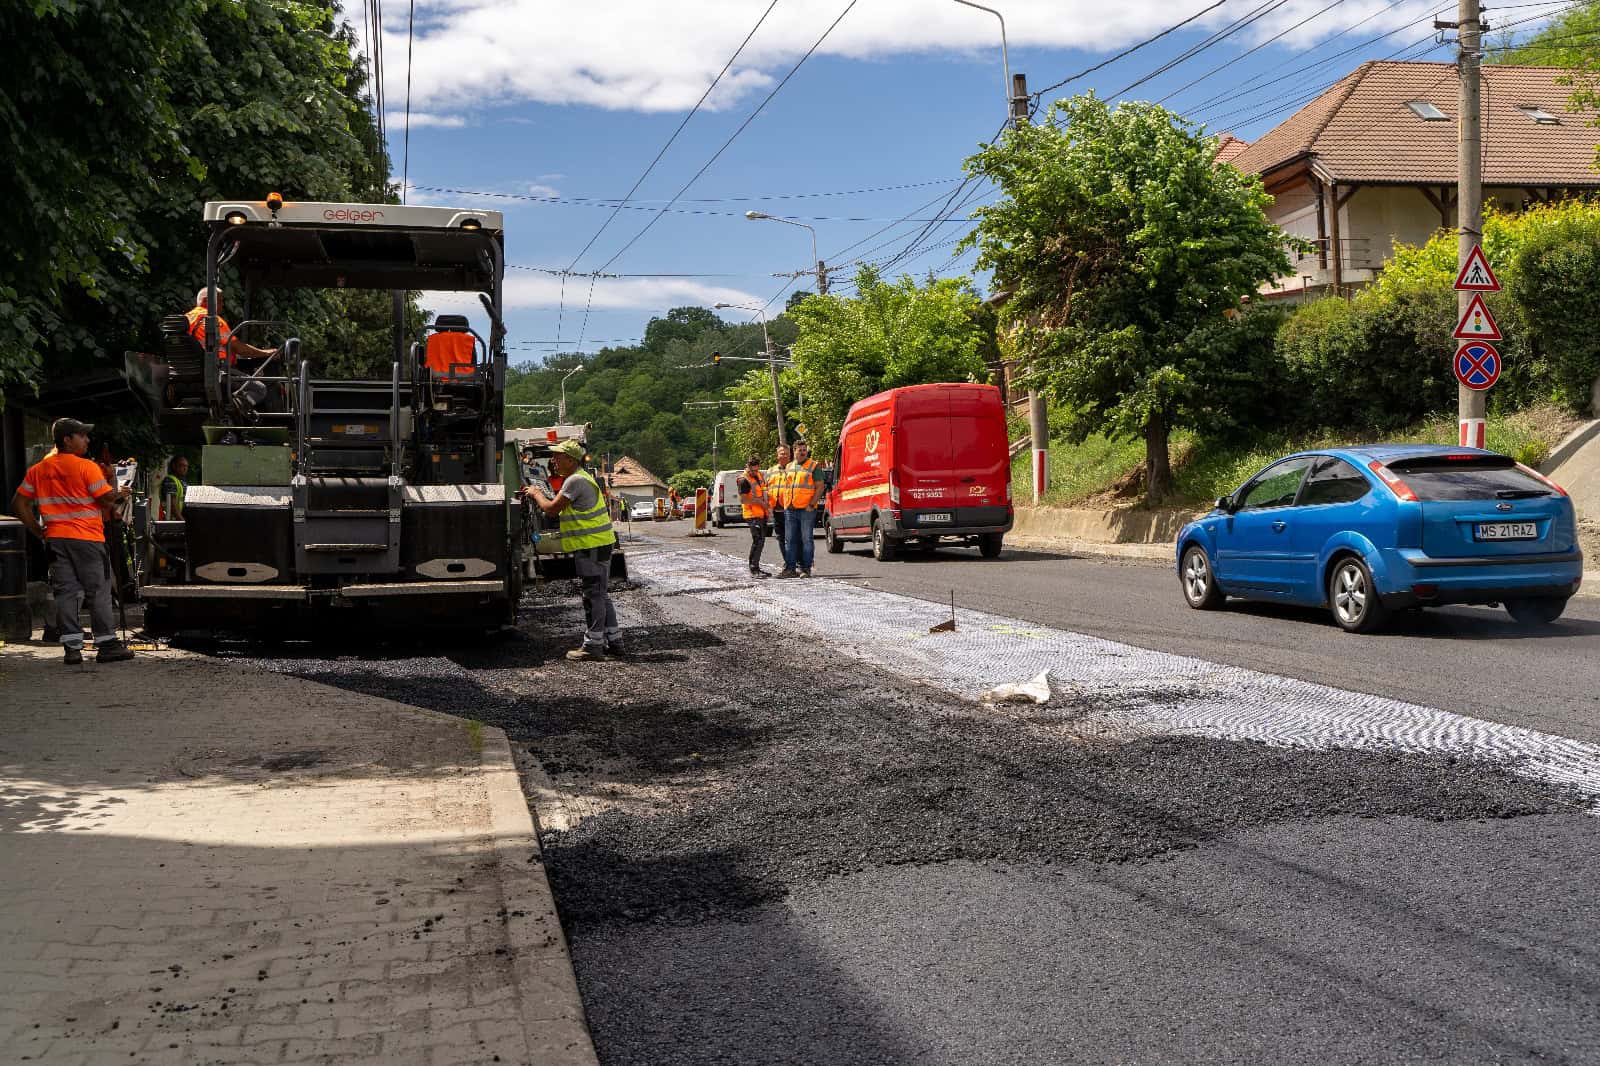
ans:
(533, 98)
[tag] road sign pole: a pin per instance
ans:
(1471, 404)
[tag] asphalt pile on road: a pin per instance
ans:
(726, 767)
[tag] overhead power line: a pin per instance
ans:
(1038, 97)
(734, 135)
(1269, 41)
(405, 159)
(580, 202)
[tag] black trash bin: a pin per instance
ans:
(16, 623)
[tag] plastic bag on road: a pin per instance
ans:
(1034, 690)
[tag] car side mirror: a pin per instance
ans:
(1225, 503)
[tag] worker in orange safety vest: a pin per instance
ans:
(757, 509)
(800, 494)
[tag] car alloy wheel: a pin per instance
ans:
(1199, 585)
(1355, 603)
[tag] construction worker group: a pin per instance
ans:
(784, 498)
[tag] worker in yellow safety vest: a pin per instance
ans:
(757, 509)
(774, 476)
(587, 535)
(801, 494)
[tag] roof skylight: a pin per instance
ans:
(1426, 111)
(1539, 115)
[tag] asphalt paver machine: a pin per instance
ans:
(383, 501)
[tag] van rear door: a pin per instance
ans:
(924, 458)
(980, 455)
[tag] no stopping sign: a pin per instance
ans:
(1477, 365)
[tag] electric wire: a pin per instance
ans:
(405, 158)
(1038, 97)
(1269, 41)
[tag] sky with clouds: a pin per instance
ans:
(550, 111)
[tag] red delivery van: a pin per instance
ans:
(920, 465)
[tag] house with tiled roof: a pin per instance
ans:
(1372, 162)
(630, 480)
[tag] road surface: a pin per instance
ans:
(1470, 660)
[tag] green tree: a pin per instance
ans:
(686, 481)
(888, 335)
(1124, 247)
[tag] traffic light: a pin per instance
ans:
(716, 358)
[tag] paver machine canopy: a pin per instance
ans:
(319, 491)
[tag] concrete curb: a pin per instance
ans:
(1570, 446)
(1158, 554)
(552, 1010)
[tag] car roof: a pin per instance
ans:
(1387, 453)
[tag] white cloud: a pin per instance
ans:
(659, 55)
(420, 119)
(538, 189)
(612, 294)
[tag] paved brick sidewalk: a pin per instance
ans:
(200, 862)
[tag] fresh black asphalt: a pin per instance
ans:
(794, 859)
(1470, 660)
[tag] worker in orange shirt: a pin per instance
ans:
(62, 500)
(229, 346)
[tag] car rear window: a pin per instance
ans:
(1437, 478)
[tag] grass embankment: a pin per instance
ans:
(1087, 474)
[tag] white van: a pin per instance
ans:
(725, 506)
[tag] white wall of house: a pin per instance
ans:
(1371, 223)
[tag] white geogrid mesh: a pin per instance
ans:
(1123, 686)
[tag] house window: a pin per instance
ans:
(1539, 115)
(1426, 111)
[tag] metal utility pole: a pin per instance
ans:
(772, 366)
(1038, 415)
(1471, 404)
(1016, 86)
(822, 268)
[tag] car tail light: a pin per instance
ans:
(894, 491)
(1425, 592)
(1390, 478)
(720, 490)
(1534, 473)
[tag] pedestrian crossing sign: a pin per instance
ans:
(1477, 324)
(1475, 275)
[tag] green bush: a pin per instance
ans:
(1555, 285)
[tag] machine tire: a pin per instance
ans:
(1199, 581)
(831, 540)
(989, 544)
(884, 549)
(1536, 612)
(1352, 598)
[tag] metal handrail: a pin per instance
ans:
(394, 421)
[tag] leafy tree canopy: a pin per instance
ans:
(1125, 251)
(132, 114)
(890, 334)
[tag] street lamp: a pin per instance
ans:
(822, 270)
(561, 412)
(715, 426)
(1005, 56)
(772, 368)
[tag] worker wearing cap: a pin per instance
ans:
(756, 507)
(586, 534)
(63, 500)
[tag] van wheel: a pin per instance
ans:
(831, 539)
(884, 549)
(989, 544)
(1353, 599)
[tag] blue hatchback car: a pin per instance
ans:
(1384, 527)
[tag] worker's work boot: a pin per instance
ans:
(112, 651)
(755, 572)
(788, 573)
(805, 573)
(51, 635)
(616, 649)
(74, 657)
(585, 653)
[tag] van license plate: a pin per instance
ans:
(1507, 531)
(934, 516)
